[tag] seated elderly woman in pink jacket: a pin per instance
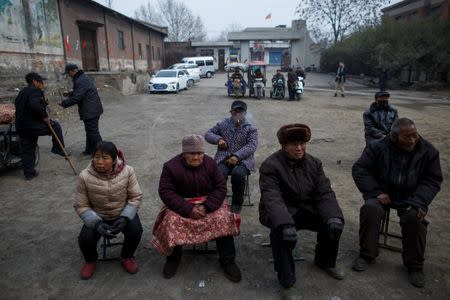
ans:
(107, 199)
(193, 191)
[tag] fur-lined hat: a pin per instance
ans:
(294, 133)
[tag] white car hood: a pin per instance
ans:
(163, 80)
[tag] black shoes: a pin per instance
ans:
(232, 272)
(361, 264)
(416, 278)
(32, 175)
(170, 268)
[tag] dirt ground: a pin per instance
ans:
(39, 255)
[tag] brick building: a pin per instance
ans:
(43, 35)
(413, 9)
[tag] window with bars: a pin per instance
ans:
(120, 40)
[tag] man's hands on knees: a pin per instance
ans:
(103, 229)
(233, 160)
(198, 212)
(119, 225)
(289, 235)
(384, 198)
(335, 227)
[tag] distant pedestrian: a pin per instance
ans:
(85, 95)
(292, 82)
(340, 79)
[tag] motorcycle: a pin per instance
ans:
(299, 85)
(277, 91)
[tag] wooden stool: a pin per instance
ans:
(385, 234)
(106, 243)
(199, 249)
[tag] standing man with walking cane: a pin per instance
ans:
(85, 95)
(33, 121)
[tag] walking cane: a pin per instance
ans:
(62, 147)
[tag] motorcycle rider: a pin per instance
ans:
(292, 81)
(277, 76)
(236, 75)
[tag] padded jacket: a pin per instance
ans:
(108, 196)
(85, 95)
(288, 186)
(179, 181)
(30, 110)
(409, 178)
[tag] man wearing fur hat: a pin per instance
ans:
(296, 195)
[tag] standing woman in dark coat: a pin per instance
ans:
(90, 107)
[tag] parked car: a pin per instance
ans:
(169, 81)
(205, 63)
(192, 69)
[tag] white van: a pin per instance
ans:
(205, 63)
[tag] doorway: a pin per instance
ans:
(221, 59)
(88, 44)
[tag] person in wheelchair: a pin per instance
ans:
(107, 200)
(236, 74)
(401, 171)
(33, 121)
(278, 85)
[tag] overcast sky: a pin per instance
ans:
(217, 14)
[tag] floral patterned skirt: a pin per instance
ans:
(172, 230)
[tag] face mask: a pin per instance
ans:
(382, 104)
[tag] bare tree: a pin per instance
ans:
(181, 22)
(148, 13)
(223, 35)
(343, 16)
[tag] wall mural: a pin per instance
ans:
(30, 26)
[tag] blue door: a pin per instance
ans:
(275, 57)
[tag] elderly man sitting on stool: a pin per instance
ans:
(402, 171)
(296, 195)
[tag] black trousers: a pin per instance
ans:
(88, 239)
(29, 143)
(291, 90)
(225, 247)
(325, 253)
(238, 174)
(92, 134)
(414, 233)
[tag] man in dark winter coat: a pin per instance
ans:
(32, 121)
(402, 171)
(295, 195)
(378, 119)
(90, 107)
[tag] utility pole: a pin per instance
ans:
(110, 3)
